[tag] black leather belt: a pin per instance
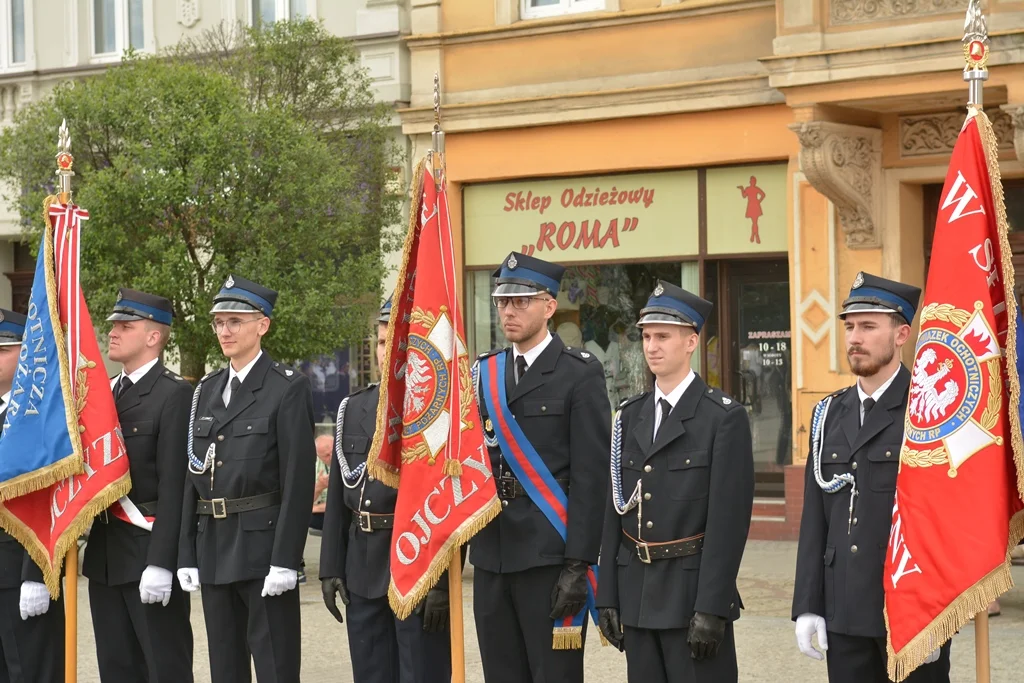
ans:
(369, 522)
(147, 510)
(683, 547)
(509, 487)
(222, 507)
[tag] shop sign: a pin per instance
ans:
(747, 209)
(630, 216)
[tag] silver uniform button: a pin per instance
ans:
(647, 496)
(834, 456)
(854, 465)
(504, 503)
(853, 548)
(650, 525)
(220, 437)
(855, 521)
(647, 468)
(367, 502)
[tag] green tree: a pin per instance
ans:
(258, 152)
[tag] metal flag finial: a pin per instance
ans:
(437, 136)
(976, 48)
(65, 161)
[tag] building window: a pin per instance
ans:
(12, 31)
(537, 9)
(269, 11)
(117, 26)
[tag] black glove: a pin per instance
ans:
(329, 587)
(611, 629)
(707, 632)
(569, 595)
(435, 611)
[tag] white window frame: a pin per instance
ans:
(7, 65)
(562, 8)
(283, 9)
(122, 31)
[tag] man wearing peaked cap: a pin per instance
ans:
(531, 577)
(31, 625)
(355, 557)
(133, 548)
(682, 473)
(248, 495)
(856, 436)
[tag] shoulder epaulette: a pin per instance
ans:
(835, 394)
(720, 398)
(172, 375)
(285, 371)
(582, 354)
(210, 374)
(632, 399)
(364, 389)
(486, 354)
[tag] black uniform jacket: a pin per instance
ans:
(154, 421)
(562, 407)
(840, 561)
(360, 558)
(264, 443)
(698, 478)
(15, 564)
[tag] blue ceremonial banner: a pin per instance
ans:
(37, 449)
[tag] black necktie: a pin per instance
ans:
(235, 385)
(666, 408)
(122, 386)
(520, 368)
(869, 403)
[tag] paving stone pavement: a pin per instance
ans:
(766, 646)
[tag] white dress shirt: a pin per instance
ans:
(3, 401)
(241, 375)
(533, 353)
(672, 397)
(135, 376)
(878, 392)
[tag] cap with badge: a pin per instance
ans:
(670, 304)
(522, 275)
(135, 305)
(239, 295)
(873, 294)
(385, 312)
(12, 327)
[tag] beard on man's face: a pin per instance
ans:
(864, 364)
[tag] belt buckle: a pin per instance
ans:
(643, 551)
(507, 488)
(222, 512)
(365, 522)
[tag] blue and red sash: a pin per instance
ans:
(538, 482)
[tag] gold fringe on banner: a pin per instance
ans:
(567, 638)
(977, 598)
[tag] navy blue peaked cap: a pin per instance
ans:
(873, 294)
(135, 305)
(522, 275)
(670, 304)
(12, 327)
(244, 296)
(385, 312)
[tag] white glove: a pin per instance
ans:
(932, 657)
(155, 586)
(806, 626)
(188, 577)
(35, 599)
(279, 580)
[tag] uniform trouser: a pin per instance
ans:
(241, 624)
(386, 650)
(31, 651)
(515, 632)
(663, 656)
(856, 659)
(137, 643)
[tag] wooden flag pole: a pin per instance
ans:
(455, 619)
(981, 647)
(71, 615)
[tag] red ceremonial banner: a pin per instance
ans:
(956, 512)
(429, 442)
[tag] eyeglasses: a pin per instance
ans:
(520, 303)
(232, 326)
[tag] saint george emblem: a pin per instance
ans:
(585, 354)
(512, 263)
(858, 281)
(726, 401)
(230, 282)
(659, 290)
(952, 409)
(119, 297)
(289, 373)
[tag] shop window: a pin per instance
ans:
(538, 9)
(598, 307)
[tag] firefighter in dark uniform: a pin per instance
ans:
(526, 576)
(248, 495)
(856, 436)
(682, 490)
(31, 625)
(134, 599)
(355, 557)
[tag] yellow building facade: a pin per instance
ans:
(760, 153)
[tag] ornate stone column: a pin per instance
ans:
(844, 163)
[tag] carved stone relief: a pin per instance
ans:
(844, 163)
(1015, 113)
(188, 12)
(845, 12)
(924, 134)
